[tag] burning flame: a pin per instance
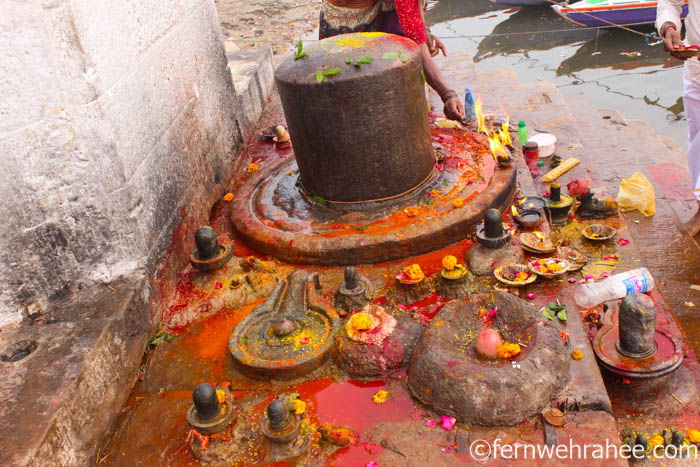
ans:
(497, 149)
(498, 137)
(539, 235)
(514, 210)
(480, 117)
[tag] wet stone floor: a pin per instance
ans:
(193, 348)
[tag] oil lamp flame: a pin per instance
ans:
(480, 117)
(497, 150)
(514, 210)
(539, 235)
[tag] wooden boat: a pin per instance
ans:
(596, 13)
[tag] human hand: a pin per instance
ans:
(435, 45)
(672, 39)
(454, 109)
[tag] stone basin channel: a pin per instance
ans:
(265, 324)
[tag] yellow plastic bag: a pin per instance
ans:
(637, 193)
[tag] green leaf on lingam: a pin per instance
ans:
(402, 57)
(331, 72)
(298, 53)
(422, 77)
(364, 60)
(348, 61)
(390, 56)
(319, 77)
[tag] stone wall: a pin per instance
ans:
(118, 119)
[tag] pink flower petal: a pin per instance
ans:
(530, 296)
(623, 242)
(572, 280)
(218, 285)
(446, 449)
(605, 274)
(371, 464)
(370, 447)
(304, 340)
(403, 307)
(431, 423)
(336, 226)
(588, 276)
(447, 422)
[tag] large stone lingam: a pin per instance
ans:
(287, 335)
(364, 183)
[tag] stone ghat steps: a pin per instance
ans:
(613, 148)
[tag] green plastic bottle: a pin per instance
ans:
(522, 132)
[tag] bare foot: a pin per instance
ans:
(693, 225)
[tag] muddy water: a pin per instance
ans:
(603, 64)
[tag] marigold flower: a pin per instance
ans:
(577, 355)
(449, 262)
(221, 396)
(507, 350)
(693, 436)
(252, 167)
(656, 440)
(435, 193)
(458, 202)
(299, 406)
(358, 322)
(380, 397)
(414, 272)
(228, 197)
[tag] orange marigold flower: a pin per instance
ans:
(435, 193)
(449, 262)
(414, 272)
(299, 406)
(221, 396)
(577, 355)
(458, 202)
(358, 322)
(228, 197)
(380, 397)
(507, 350)
(693, 436)
(252, 167)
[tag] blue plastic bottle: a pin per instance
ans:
(469, 108)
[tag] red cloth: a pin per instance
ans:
(412, 24)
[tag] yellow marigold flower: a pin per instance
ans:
(507, 350)
(656, 440)
(252, 167)
(358, 322)
(380, 397)
(577, 355)
(299, 406)
(221, 396)
(694, 436)
(449, 262)
(413, 272)
(458, 202)
(228, 196)
(435, 193)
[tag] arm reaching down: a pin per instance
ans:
(454, 109)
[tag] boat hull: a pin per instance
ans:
(623, 15)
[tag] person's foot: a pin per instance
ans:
(693, 225)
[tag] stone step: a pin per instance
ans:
(619, 147)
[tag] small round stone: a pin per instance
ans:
(277, 413)
(284, 327)
(487, 343)
(207, 243)
(205, 401)
(493, 223)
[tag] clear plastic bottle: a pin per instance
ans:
(469, 106)
(614, 287)
(522, 133)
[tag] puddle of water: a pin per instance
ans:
(537, 43)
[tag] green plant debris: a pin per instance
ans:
(445, 183)
(552, 310)
(320, 74)
(316, 198)
(359, 61)
(160, 337)
(394, 55)
(422, 77)
(243, 340)
(298, 53)
(361, 228)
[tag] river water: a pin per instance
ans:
(603, 64)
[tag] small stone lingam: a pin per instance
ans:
(493, 248)
(454, 280)
(631, 345)
(558, 205)
(209, 254)
(289, 334)
(353, 293)
(212, 418)
(285, 436)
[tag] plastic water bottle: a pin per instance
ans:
(522, 133)
(614, 287)
(469, 107)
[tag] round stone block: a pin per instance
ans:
(357, 115)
